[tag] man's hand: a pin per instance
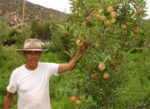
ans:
(83, 47)
(81, 50)
(72, 63)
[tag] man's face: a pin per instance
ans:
(32, 58)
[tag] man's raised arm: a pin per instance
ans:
(72, 63)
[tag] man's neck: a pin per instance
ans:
(31, 67)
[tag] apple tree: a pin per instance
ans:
(112, 29)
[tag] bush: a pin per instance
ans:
(42, 30)
(62, 42)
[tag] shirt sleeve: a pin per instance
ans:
(12, 86)
(53, 69)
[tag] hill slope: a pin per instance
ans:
(11, 12)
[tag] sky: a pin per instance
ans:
(64, 6)
(60, 5)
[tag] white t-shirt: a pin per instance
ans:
(32, 86)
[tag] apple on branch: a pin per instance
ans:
(113, 14)
(123, 26)
(106, 75)
(84, 24)
(73, 98)
(136, 31)
(110, 9)
(101, 66)
(139, 10)
(113, 20)
(93, 76)
(78, 101)
(107, 23)
(103, 18)
(116, 69)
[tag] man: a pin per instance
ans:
(31, 81)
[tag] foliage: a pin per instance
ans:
(9, 61)
(61, 40)
(111, 28)
(41, 30)
(145, 24)
(3, 28)
(10, 36)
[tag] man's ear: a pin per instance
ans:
(23, 54)
(41, 54)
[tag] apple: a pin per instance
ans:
(113, 14)
(98, 16)
(116, 69)
(100, 10)
(107, 23)
(78, 101)
(93, 76)
(123, 26)
(110, 9)
(78, 42)
(136, 31)
(88, 17)
(103, 18)
(139, 11)
(92, 14)
(101, 66)
(84, 24)
(97, 45)
(73, 98)
(113, 20)
(106, 75)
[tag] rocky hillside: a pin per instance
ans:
(11, 12)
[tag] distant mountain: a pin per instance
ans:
(11, 12)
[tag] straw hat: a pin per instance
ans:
(31, 45)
